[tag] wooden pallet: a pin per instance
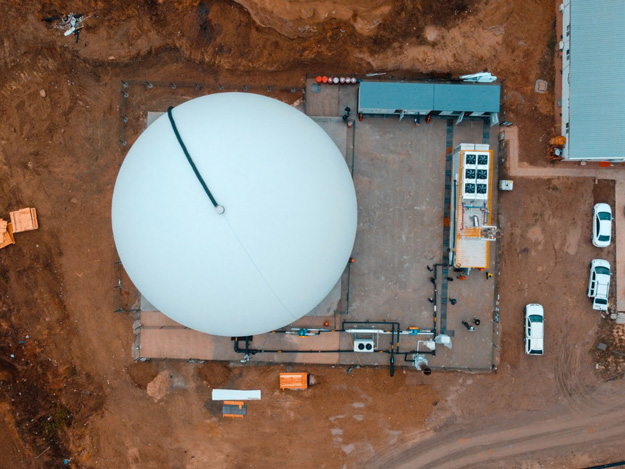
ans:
(7, 237)
(24, 220)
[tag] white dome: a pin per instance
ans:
(287, 231)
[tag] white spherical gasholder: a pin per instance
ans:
(277, 238)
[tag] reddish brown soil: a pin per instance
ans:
(68, 385)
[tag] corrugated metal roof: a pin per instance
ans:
(384, 95)
(597, 77)
(472, 253)
(468, 97)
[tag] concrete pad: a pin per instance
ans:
(157, 319)
(469, 131)
(177, 343)
(474, 300)
(330, 100)
(399, 173)
(325, 102)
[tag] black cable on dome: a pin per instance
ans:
(218, 207)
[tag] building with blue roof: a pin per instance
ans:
(421, 99)
(593, 70)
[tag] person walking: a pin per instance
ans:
(468, 326)
(453, 301)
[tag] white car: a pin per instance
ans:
(601, 225)
(599, 284)
(534, 329)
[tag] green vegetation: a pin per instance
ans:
(60, 418)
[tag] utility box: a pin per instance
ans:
(505, 185)
(364, 345)
(294, 381)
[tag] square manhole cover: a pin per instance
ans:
(541, 86)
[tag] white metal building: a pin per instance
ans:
(593, 73)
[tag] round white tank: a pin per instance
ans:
(286, 232)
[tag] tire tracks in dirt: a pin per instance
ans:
(33, 69)
(517, 438)
(576, 394)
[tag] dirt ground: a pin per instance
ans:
(69, 389)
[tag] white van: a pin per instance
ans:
(599, 284)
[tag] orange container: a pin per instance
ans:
(293, 380)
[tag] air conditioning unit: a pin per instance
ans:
(364, 345)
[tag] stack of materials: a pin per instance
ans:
(24, 220)
(6, 234)
(21, 220)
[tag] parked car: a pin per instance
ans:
(534, 329)
(599, 284)
(601, 225)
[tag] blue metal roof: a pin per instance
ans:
(391, 96)
(597, 76)
(466, 97)
(385, 97)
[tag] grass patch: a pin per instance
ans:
(60, 419)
